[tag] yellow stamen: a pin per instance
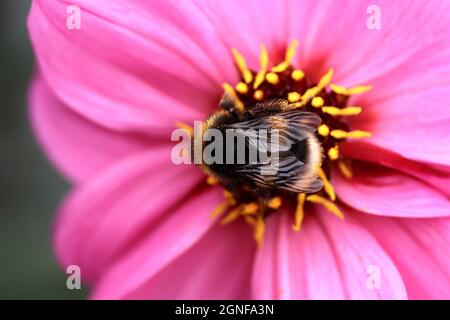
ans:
(317, 102)
(323, 82)
(242, 66)
(242, 88)
(350, 91)
(263, 60)
(299, 213)
(294, 96)
(274, 203)
(333, 153)
(357, 134)
(231, 216)
(323, 130)
(229, 197)
(330, 206)
(326, 183)
(290, 52)
(212, 181)
(186, 127)
(272, 78)
(258, 232)
(258, 95)
(230, 91)
(250, 220)
(219, 209)
(250, 208)
(347, 111)
(345, 169)
(297, 75)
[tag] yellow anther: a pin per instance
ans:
(274, 203)
(347, 111)
(323, 130)
(219, 209)
(229, 197)
(258, 232)
(297, 75)
(242, 66)
(272, 78)
(357, 134)
(250, 208)
(231, 216)
(212, 181)
(299, 212)
(290, 52)
(317, 102)
(242, 88)
(345, 169)
(263, 60)
(330, 206)
(350, 91)
(293, 96)
(325, 80)
(333, 153)
(326, 183)
(250, 220)
(230, 91)
(258, 95)
(185, 127)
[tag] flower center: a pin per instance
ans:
(328, 101)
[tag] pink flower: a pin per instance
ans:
(107, 97)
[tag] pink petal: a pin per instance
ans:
(106, 217)
(129, 67)
(327, 259)
(218, 266)
(419, 248)
(381, 191)
(77, 146)
(161, 245)
(437, 177)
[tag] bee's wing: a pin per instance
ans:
(286, 171)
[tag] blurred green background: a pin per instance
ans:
(30, 188)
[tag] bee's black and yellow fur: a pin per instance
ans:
(300, 155)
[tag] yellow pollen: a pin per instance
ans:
(250, 208)
(229, 197)
(272, 78)
(242, 66)
(185, 127)
(347, 111)
(242, 88)
(290, 52)
(345, 169)
(274, 203)
(350, 91)
(333, 153)
(258, 232)
(297, 75)
(326, 183)
(250, 220)
(294, 96)
(323, 130)
(212, 181)
(317, 102)
(230, 91)
(357, 134)
(299, 213)
(330, 206)
(263, 60)
(258, 95)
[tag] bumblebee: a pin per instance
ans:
(299, 151)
